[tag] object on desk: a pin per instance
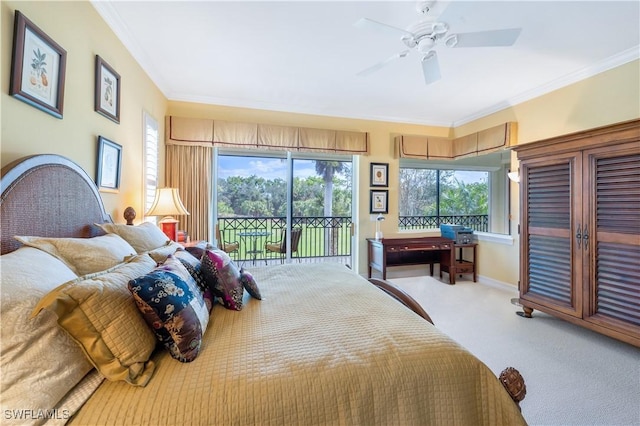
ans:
(458, 233)
(281, 246)
(379, 219)
(167, 203)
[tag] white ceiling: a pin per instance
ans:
(303, 56)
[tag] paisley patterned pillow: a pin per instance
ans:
(194, 267)
(173, 306)
(223, 278)
(250, 284)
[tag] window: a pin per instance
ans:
(471, 195)
(150, 160)
(258, 198)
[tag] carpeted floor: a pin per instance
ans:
(573, 376)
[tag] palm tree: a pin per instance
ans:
(327, 169)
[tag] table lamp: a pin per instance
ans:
(167, 203)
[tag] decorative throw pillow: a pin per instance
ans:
(101, 316)
(84, 255)
(173, 307)
(223, 278)
(143, 237)
(194, 267)
(198, 249)
(250, 284)
(160, 254)
(39, 362)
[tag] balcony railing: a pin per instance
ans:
(322, 238)
(477, 222)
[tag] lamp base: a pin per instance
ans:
(378, 235)
(169, 227)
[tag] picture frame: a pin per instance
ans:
(109, 165)
(38, 67)
(379, 174)
(107, 91)
(379, 201)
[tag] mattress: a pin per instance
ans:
(323, 346)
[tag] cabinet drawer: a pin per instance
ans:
(464, 267)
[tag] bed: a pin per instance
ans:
(321, 345)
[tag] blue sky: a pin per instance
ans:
(268, 168)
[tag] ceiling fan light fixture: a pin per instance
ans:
(428, 55)
(440, 28)
(451, 41)
(425, 44)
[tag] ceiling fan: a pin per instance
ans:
(426, 35)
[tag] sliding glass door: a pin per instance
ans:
(282, 209)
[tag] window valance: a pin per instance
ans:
(208, 132)
(438, 148)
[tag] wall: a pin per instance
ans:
(79, 29)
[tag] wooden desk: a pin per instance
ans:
(461, 266)
(411, 251)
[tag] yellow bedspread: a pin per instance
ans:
(324, 346)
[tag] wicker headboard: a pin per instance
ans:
(48, 195)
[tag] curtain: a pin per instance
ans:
(189, 168)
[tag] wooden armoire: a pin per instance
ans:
(580, 229)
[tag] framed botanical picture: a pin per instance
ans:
(38, 67)
(109, 165)
(379, 174)
(379, 201)
(107, 90)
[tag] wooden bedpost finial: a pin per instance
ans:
(129, 215)
(513, 382)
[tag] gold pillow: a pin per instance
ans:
(84, 255)
(143, 237)
(100, 314)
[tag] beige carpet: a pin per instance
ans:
(573, 376)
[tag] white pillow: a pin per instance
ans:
(39, 362)
(143, 237)
(84, 255)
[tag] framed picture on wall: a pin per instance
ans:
(109, 165)
(379, 202)
(379, 174)
(38, 67)
(107, 94)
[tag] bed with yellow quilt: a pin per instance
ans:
(108, 324)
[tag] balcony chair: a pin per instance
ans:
(281, 246)
(229, 247)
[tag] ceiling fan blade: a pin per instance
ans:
(431, 67)
(381, 64)
(370, 24)
(495, 38)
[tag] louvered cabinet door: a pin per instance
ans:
(612, 175)
(551, 271)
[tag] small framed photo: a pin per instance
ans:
(38, 67)
(109, 165)
(379, 174)
(107, 90)
(379, 201)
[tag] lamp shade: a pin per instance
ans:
(167, 203)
